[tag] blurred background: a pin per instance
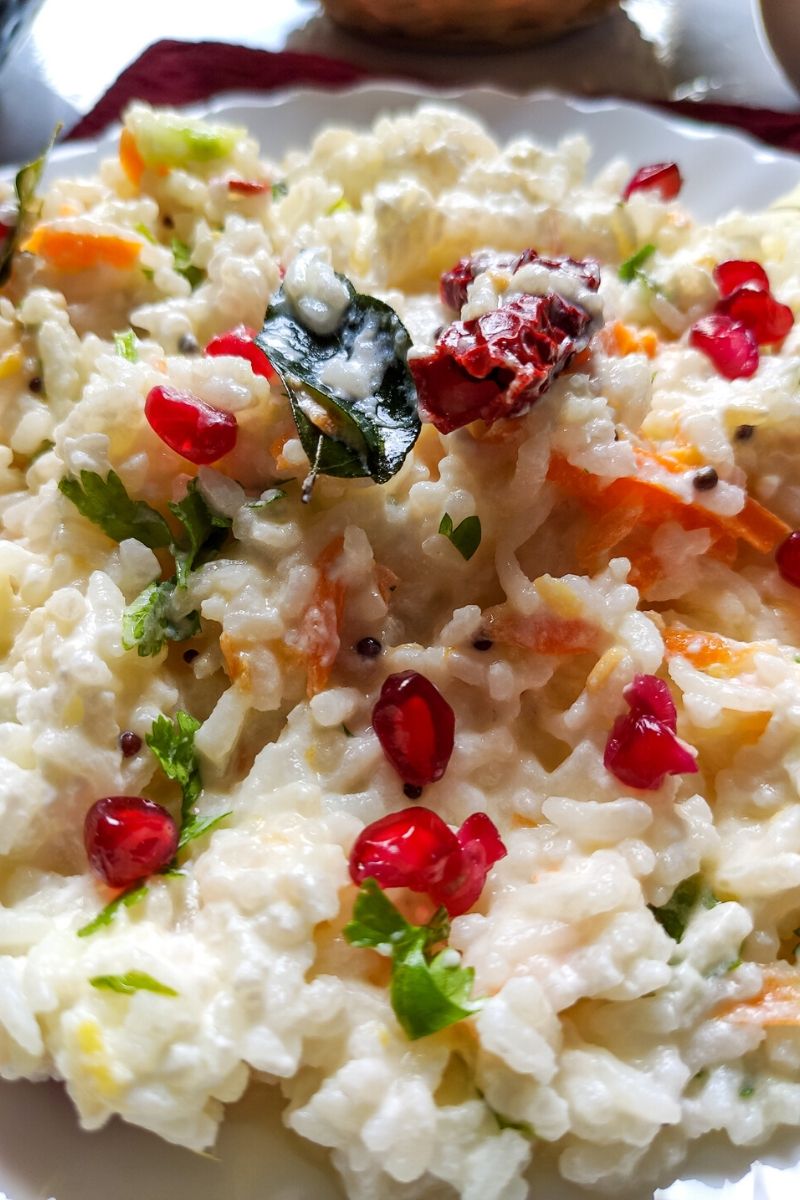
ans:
(700, 49)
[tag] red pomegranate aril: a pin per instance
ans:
(650, 695)
(128, 838)
(767, 319)
(642, 747)
(240, 343)
(195, 430)
(248, 187)
(729, 344)
(787, 556)
(641, 751)
(409, 849)
(414, 848)
(735, 273)
(415, 726)
(664, 178)
(481, 847)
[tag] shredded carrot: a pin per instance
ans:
(386, 580)
(543, 632)
(319, 625)
(276, 449)
(69, 251)
(620, 340)
(754, 524)
(757, 526)
(701, 649)
(778, 1002)
(130, 159)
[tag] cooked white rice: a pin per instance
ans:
(599, 1033)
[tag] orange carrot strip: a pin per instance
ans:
(130, 159)
(543, 633)
(319, 626)
(778, 1002)
(701, 649)
(68, 251)
(620, 340)
(755, 524)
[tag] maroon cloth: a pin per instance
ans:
(171, 72)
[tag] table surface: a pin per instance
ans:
(702, 49)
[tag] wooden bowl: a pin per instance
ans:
(456, 24)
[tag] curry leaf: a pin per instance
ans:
(345, 434)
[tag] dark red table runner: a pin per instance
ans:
(171, 72)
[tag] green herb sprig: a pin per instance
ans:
(466, 536)
(430, 989)
(153, 617)
(131, 982)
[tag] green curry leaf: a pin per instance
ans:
(344, 434)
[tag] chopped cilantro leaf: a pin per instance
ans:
(182, 261)
(125, 346)
(205, 529)
(107, 914)
(631, 268)
(107, 504)
(130, 982)
(747, 1090)
(466, 537)
(674, 915)
(429, 991)
(195, 827)
(148, 621)
(146, 232)
(173, 746)
(279, 190)
(268, 498)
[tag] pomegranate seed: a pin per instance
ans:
(642, 747)
(730, 345)
(650, 695)
(409, 849)
(735, 273)
(767, 319)
(128, 838)
(247, 187)
(415, 726)
(481, 847)
(240, 343)
(787, 557)
(414, 848)
(664, 178)
(189, 426)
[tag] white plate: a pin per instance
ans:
(42, 1151)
